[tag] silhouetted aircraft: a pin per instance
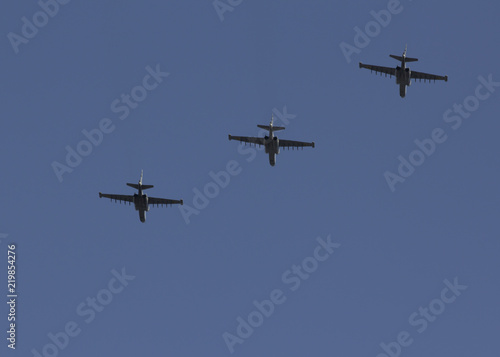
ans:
(403, 74)
(140, 200)
(271, 143)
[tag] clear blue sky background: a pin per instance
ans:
(192, 281)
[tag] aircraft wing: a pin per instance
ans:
(124, 198)
(163, 201)
(246, 139)
(427, 76)
(297, 144)
(379, 69)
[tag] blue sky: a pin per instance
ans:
(184, 284)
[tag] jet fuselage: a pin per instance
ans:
(403, 77)
(140, 199)
(141, 204)
(272, 146)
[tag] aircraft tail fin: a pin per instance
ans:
(407, 59)
(139, 185)
(273, 128)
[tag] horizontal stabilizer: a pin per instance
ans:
(274, 128)
(136, 186)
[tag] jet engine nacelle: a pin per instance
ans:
(398, 75)
(266, 144)
(408, 76)
(276, 144)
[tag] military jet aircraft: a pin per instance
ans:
(271, 143)
(403, 74)
(141, 201)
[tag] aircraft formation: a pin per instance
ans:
(271, 142)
